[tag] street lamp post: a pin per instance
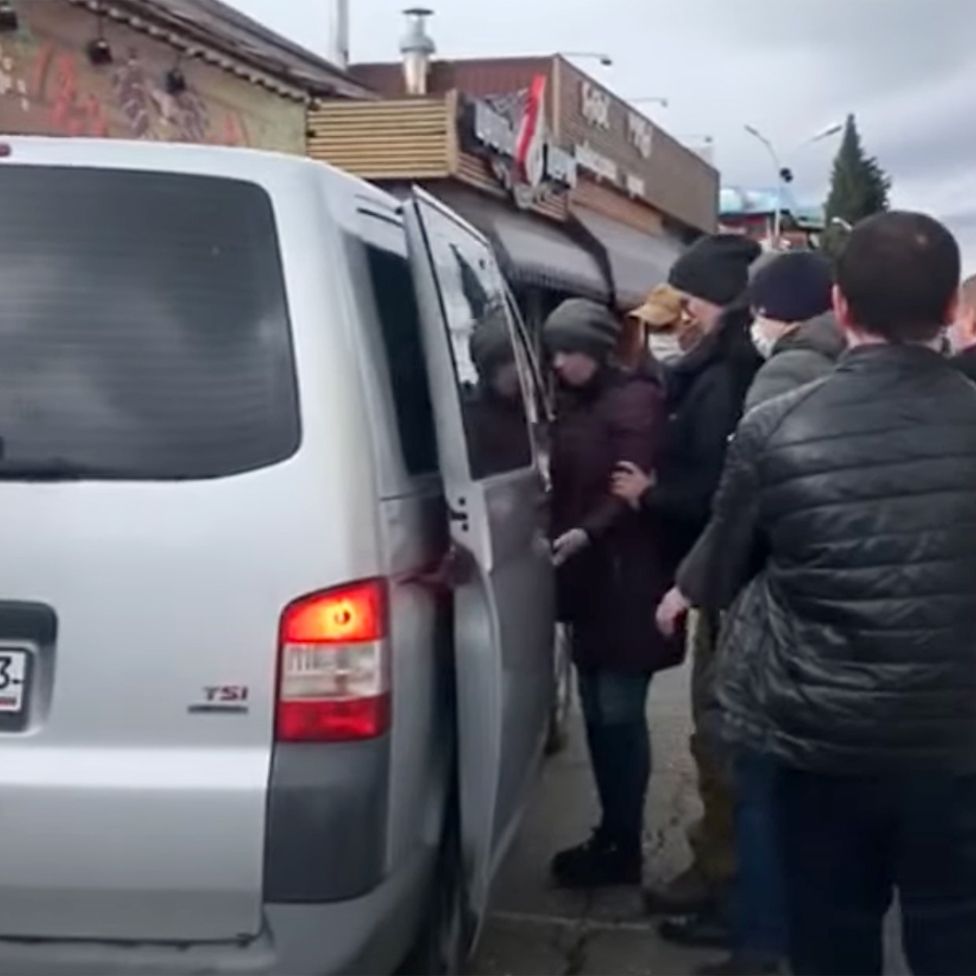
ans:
(605, 60)
(784, 174)
(648, 99)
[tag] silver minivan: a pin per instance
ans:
(276, 602)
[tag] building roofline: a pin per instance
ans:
(223, 28)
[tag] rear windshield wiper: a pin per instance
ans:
(56, 469)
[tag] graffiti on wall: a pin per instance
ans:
(49, 86)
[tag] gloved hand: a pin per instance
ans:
(569, 544)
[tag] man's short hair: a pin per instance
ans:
(899, 272)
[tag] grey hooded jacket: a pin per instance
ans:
(798, 358)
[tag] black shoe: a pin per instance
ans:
(706, 930)
(599, 863)
(687, 894)
(744, 964)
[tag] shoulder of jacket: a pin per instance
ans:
(765, 419)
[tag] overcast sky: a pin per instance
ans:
(789, 67)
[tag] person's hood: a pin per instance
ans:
(822, 335)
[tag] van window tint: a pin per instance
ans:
(144, 329)
(480, 334)
(399, 316)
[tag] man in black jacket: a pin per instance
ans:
(846, 518)
(705, 391)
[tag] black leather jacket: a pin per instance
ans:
(848, 512)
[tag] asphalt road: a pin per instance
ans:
(538, 931)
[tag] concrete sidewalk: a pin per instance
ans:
(536, 929)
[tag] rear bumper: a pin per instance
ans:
(364, 935)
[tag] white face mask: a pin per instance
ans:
(664, 346)
(764, 337)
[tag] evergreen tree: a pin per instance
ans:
(859, 187)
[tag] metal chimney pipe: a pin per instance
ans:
(338, 47)
(417, 48)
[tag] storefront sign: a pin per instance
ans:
(493, 130)
(628, 151)
(595, 162)
(594, 105)
(512, 132)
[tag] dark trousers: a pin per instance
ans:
(850, 842)
(615, 713)
(758, 894)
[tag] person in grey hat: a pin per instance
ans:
(609, 571)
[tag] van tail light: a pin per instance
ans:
(334, 679)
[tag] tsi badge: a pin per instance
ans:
(222, 699)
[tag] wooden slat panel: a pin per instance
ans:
(403, 139)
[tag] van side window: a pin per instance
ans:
(485, 364)
(396, 304)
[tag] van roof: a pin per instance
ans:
(181, 157)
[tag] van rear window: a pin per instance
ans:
(144, 328)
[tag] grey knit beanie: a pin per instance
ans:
(491, 344)
(581, 325)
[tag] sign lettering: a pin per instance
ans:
(493, 130)
(595, 162)
(640, 134)
(636, 186)
(594, 105)
(523, 158)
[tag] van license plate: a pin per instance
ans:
(13, 678)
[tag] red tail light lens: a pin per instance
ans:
(334, 683)
(351, 615)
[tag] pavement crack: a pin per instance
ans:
(578, 949)
(577, 952)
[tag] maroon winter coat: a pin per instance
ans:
(610, 591)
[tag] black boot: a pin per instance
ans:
(599, 863)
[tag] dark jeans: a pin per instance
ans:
(615, 713)
(759, 896)
(850, 842)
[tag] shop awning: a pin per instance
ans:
(533, 250)
(638, 261)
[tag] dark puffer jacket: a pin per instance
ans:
(966, 362)
(706, 390)
(609, 591)
(853, 649)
